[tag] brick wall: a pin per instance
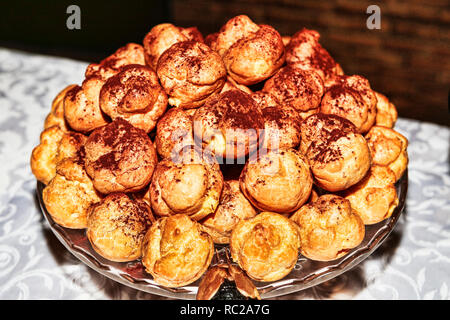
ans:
(408, 59)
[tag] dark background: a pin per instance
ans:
(408, 59)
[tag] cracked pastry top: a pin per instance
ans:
(176, 251)
(135, 95)
(266, 246)
(329, 228)
(190, 72)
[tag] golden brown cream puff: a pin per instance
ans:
(56, 115)
(81, 106)
(116, 227)
(352, 98)
(162, 36)
(251, 52)
(174, 131)
(388, 148)
(386, 112)
(265, 246)
(134, 94)
(281, 123)
(338, 155)
(278, 181)
(305, 52)
(55, 146)
(131, 53)
(233, 207)
(190, 184)
(229, 125)
(374, 198)
(120, 157)
(190, 72)
(329, 228)
(70, 193)
(297, 88)
(176, 251)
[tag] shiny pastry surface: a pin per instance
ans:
(386, 112)
(297, 88)
(176, 251)
(134, 94)
(116, 227)
(278, 181)
(190, 72)
(174, 131)
(374, 198)
(162, 36)
(352, 98)
(120, 157)
(70, 193)
(329, 228)
(388, 148)
(304, 51)
(81, 106)
(339, 157)
(229, 124)
(55, 146)
(233, 207)
(251, 52)
(190, 184)
(265, 246)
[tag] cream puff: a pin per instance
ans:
(134, 94)
(338, 155)
(305, 52)
(70, 193)
(116, 227)
(374, 198)
(388, 148)
(251, 52)
(352, 98)
(174, 131)
(233, 207)
(329, 228)
(297, 88)
(131, 53)
(162, 36)
(120, 157)
(190, 72)
(56, 115)
(386, 112)
(265, 246)
(281, 122)
(176, 251)
(278, 181)
(229, 125)
(190, 184)
(81, 106)
(55, 145)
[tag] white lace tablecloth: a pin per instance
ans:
(413, 263)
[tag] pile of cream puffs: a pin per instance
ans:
(140, 153)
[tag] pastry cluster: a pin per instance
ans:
(140, 153)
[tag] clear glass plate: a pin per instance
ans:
(307, 273)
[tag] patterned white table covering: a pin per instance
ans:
(413, 263)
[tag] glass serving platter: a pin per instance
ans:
(306, 273)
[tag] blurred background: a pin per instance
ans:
(408, 59)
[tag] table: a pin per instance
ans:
(413, 263)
